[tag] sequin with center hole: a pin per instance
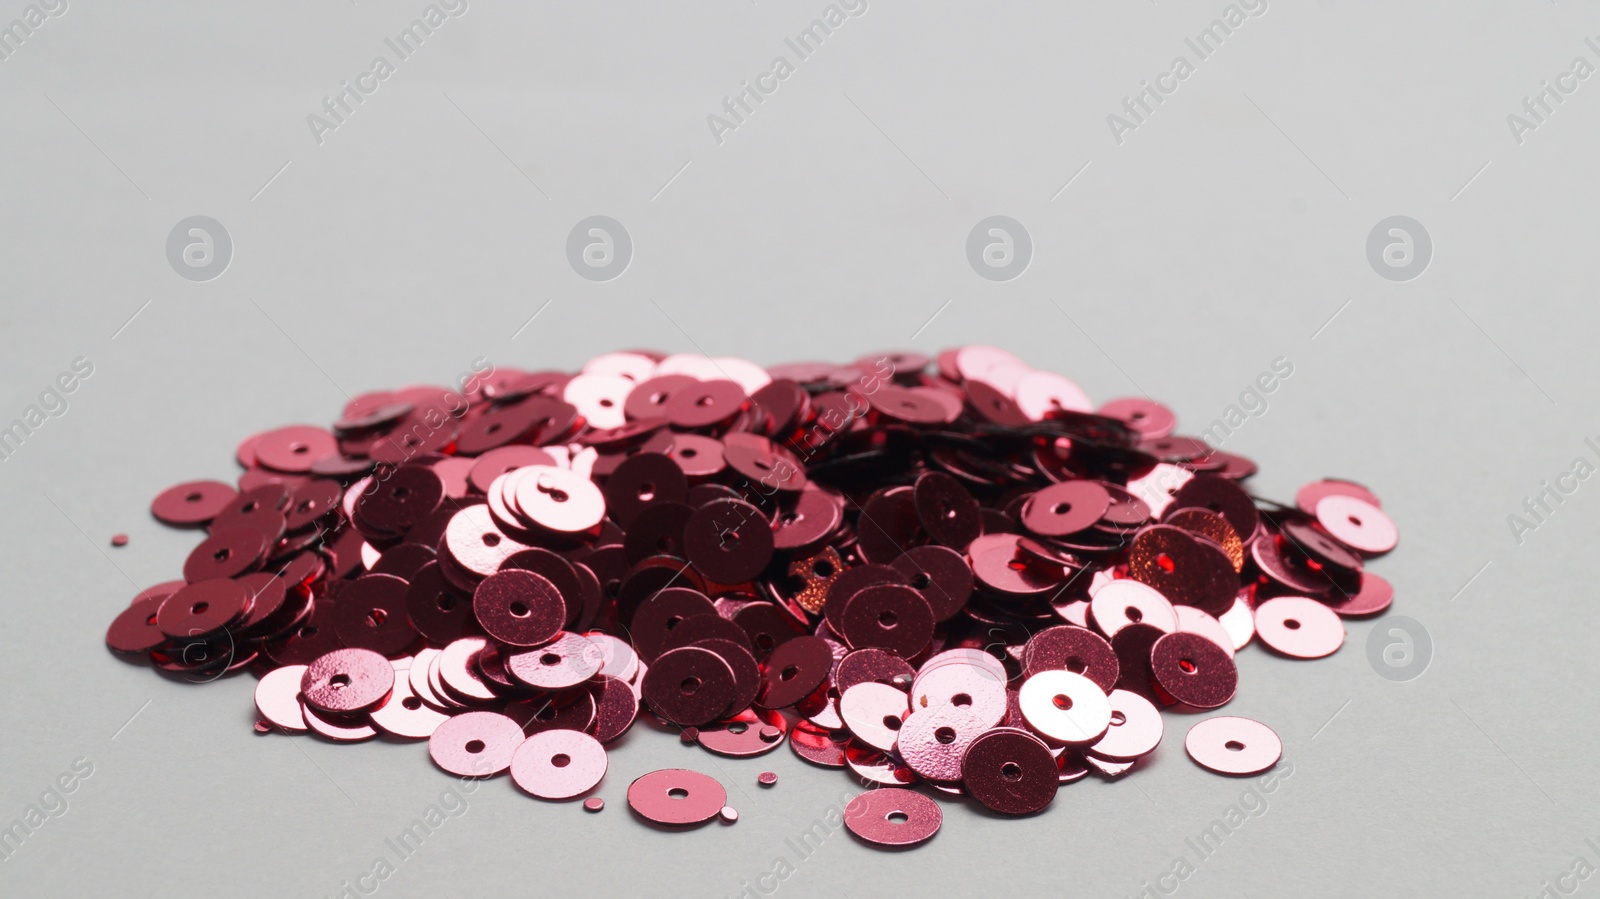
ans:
(793, 671)
(1065, 707)
(677, 797)
(475, 744)
(1232, 745)
(1075, 649)
(347, 680)
(932, 741)
(874, 712)
(689, 686)
(192, 502)
(1373, 597)
(519, 608)
(1136, 728)
(1357, 524)
(1299, 627)
(1121, 603)
(893, 816)
(566, 661)
(558, 764)
(972, 688)
(1193, 670)
(1010, 771)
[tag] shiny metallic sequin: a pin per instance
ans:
(1010, 771)
(677, 797)
(893, 816)
(1135, 729)
(558, 764)
(1299, 627)
(1068, 708)
(874, 712)
(278, 699)
(347, 680)
(1230, 745)
(1193, 670)
(475, 744)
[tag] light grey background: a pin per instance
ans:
(1227, 230)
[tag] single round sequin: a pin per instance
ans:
(1145, 416)
(1120, 603)
(1041, 394)
(475, 744)
(568, 660)
(1194, 670)
(1230, 745)
(558, 764)
(974, 689)
(1065, 508)
(946, 510)
(689, 686)
(1010, 771)
(1074, 649)
(932, 741)
(729, 541)
(893, 816)
(1299, 627)
(1357, 524)
(404, 714)
(793, 671)
(1068, 708)
(677, 797)
(519, 608)
(594, 804)
(559, 500)
(203, 608)
(1135, 730)
(371, 614)
(347, 680)
(192, 502)
(874, 712)
(227, 552)
(294, 448)
(894, 617)
(941, 575)
(1186, 569)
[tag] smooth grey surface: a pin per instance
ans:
(1229, 229)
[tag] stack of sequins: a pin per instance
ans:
(950, 572)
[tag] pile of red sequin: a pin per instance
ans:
(965, 577)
